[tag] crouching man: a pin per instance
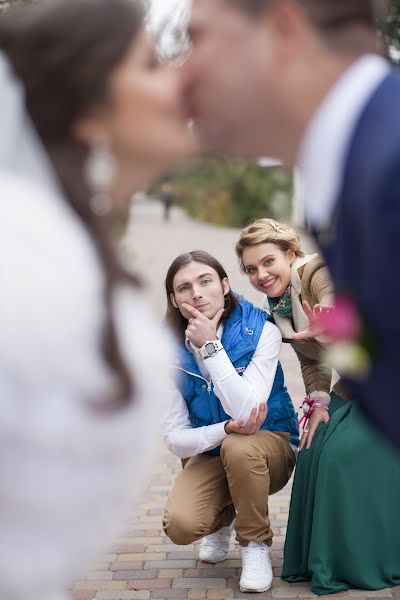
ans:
(229, 414)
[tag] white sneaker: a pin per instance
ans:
(214, 547)
(256, 568)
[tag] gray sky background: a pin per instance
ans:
(162, 9)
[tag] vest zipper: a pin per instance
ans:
(209, 384)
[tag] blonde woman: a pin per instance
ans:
(343, 528)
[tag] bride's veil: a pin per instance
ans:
(21, 152)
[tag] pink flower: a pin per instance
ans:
(341, 322)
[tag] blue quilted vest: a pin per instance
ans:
(240, 338)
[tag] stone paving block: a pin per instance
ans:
(200, 582)
(396, 592)
(169, 573)
(87, 595)
(277, 545)
(232, 583)
(99, 585)
(385, 593)
(99, 576)
(110, 557)
(278, 582)
(145, 556)
(278, 521)
(233, 563)
(194, 573)
(129, 548)
(224, 572)
(276, 554)
(276, 562)
(297, 590)
(154, 520)
(197, 594)
(218, 593)
(149, 584)
(100, 566)
(169, 564)
(142, 526)
(279, 539)
(126, 565)
(137, 574)
(163, 594)
(191, 555)
(124, 595)
(170, 548)
(146, 539)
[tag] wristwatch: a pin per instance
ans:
(210, 348)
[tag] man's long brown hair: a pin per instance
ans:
(173, 317)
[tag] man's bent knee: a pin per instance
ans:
(238, 447)
(181, 529)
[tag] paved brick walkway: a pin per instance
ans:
(144, 564)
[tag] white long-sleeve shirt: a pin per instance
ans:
(238, 394)
(326, 142)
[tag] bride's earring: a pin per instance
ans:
(99, 174)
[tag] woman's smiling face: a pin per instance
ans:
(268, 268)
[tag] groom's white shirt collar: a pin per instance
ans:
(328, 137)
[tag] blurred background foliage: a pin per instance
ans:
(223, 192)
(392, 30)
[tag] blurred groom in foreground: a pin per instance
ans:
(302, 81)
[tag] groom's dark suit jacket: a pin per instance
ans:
(362, 249)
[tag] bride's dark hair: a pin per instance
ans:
(64, 52)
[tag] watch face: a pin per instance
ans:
(210, 348)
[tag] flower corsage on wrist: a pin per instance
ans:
(308, 407)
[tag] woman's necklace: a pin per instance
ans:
(282, 306)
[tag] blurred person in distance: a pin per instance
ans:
(166, 198)
(302, 81)
(87, 117)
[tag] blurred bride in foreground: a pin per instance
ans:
(87, 116)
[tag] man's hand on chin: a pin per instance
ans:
(200, 328)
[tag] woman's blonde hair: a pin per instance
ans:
(268, 231)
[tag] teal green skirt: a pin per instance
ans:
(344, 521)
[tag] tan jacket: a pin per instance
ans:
(310, 281)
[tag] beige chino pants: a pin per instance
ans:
(211, 491)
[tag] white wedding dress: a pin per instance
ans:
(68, 474)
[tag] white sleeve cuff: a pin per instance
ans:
(324, 396)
